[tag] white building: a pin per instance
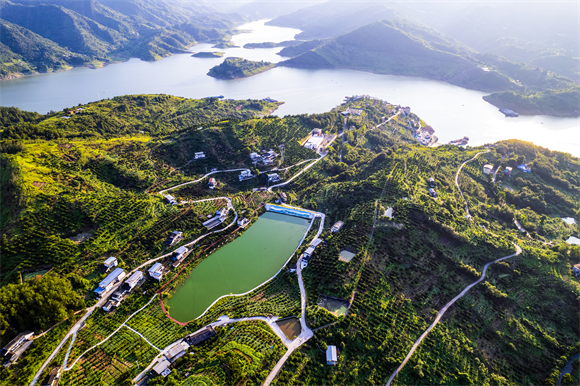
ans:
(487, 169)
(309, 252)
(331, 355)
(109, 282)
(134, 279)
(245, 175)
(170, 199)
(273, 177)
(212, 183)
(336, 227)
(157, 271)
(243, 222)
(199, 155)
(110, 263)
(179, 253)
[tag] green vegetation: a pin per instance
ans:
(97, 174)
(36, 304)
(208, 54)
(235, 68)
(56, 35)
(242, 353)
(560, 102)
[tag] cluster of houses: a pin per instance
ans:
(432, 191)
(488, 169)
(425, 135)
(113, 279)
(267, 158)
(163, 366)
(72, 112)
(273, 177)
(351, 111)
(134, 281)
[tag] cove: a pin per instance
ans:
(239, 266)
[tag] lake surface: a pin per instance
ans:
(453, 112)
(239, 266)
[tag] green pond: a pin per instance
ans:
(240, 265)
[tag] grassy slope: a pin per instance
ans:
(560, 103)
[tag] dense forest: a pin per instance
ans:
(84, 188)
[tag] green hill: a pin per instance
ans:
(403, 48)
(40, 36)
(23, 51)
(559, 103)
(235, 68)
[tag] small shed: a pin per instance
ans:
(309, 252)
(212, 183)
(431, 182)
(337, 226)
(200, 336)
(487, 169)
(508, 171)
(199, 155)
(576, 269)
(331, 355)
(110, 263)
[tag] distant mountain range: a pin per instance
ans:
(402, 47)
(43, 36)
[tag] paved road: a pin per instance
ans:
(444, 309)
(457, 181)
(65, 368)
(296, 175)
(306, 331)
(72, 332)
(200, 179)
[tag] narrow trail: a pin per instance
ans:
(461, 294)
(457, 181)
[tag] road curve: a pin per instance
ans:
(296, 175)
(444, 309)
(457, 181)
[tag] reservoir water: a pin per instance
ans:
(239, 266)
(453, 112)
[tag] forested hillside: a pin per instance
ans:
(85, 188)
(44, 36)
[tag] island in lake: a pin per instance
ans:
(235, 68)
(217, 54)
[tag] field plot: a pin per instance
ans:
(241, 353)
(335, 306)
(120, 358)
(156, 327)
(290, 327)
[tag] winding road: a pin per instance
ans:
(461, 294)
(457, 182)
